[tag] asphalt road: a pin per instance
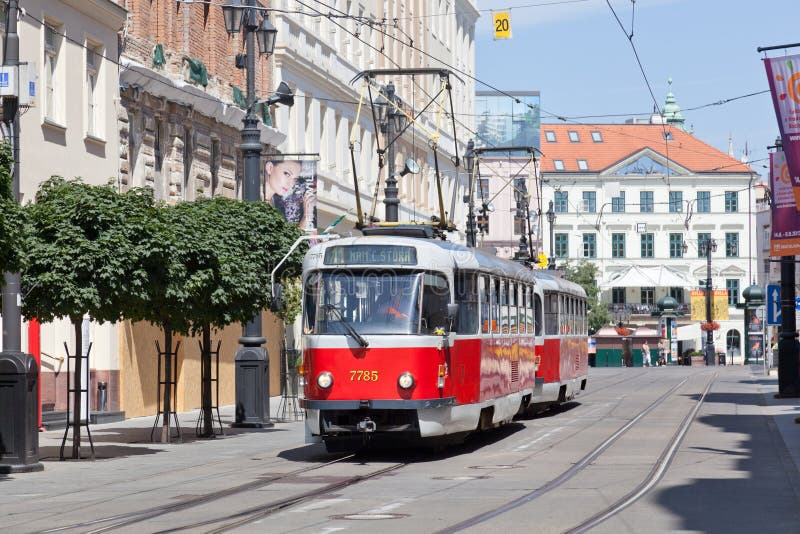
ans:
(643, 450)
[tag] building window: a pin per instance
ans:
(731, 201)
(618, 203)
(52, 89)
(675, 245)
(589, 246)
(550, 136)
(520, 192)
(483, 188)
(702, 238)
(648, 295)
(3, 17)
(93, 118)
(668, 136)
(617, 295)
(732, 285)
(583, 165)
(561, 245)
(646, 201)
(215, 163)
(731, 245)
(573, 136)
(677, 294)
(188, 148)
(704, 202)
(561, 202)
(647, 246)
(589, 201)
(676, 201)
(617, 245)
(558, 164)
(597, 137)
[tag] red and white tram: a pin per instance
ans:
(410, 338)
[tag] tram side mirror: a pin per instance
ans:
(277, 292)
(452, 315)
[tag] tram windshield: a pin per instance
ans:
(374, 302)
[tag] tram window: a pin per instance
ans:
(503, 307)
(495, 305)
(512, 308)
(435, 298)
(538, 317)
(485, 290)
(311, 293)
(550, 314)
(524, 308)
(467, 298)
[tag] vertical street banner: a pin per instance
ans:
(290, 186)
(783, 74)
(719, 305)
(785, 232)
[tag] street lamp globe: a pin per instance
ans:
(469, 157)
(232, 12)
(265, 37)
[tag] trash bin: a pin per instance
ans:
(19, 426)
(252, 388)
(102, 396)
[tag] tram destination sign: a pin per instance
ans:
(370, 255)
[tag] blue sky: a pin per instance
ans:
(577, 55)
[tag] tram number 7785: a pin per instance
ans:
(363, 376)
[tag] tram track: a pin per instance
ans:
(580, 465)
(110, 523)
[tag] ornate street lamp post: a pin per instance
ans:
(252, 407)
(551, 218)
(709, 246)
(392, 122)
(469, 198)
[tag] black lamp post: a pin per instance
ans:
(392, 121)
(469, 198)
(709, 246)
(551, 218)
(252, 407)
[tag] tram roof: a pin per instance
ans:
(445, 254)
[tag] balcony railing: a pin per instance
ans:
(642, 309)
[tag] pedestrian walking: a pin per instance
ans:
(645, 354)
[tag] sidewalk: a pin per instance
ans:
(133, 473)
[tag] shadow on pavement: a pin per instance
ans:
(102, 452)
(763, 486)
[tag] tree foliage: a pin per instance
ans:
(11, 217)
(80, 252)
(585, 275)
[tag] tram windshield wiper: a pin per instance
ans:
(347, 326)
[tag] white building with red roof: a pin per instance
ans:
(639, 201)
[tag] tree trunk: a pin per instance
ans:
(165, 433)
(205, 391)
(76, 385)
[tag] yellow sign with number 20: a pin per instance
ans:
(502, 25)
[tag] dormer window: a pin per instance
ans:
(573, 136)
(550, 136)
(558, 164)
(582, 165)
(597, 137)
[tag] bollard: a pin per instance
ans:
(102, 396)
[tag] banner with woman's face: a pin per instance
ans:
(290, 185)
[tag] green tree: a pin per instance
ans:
(79, 259)
(232, 247)
(11, 227)
(585, 275)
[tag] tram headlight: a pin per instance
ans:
(405, 380)
(325, 380)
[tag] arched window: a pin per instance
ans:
(733, 342)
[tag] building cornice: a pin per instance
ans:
(106, 12)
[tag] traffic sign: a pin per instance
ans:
(502, 25)
(797, 303)
(774, 304)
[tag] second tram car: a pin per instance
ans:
(408, 338)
